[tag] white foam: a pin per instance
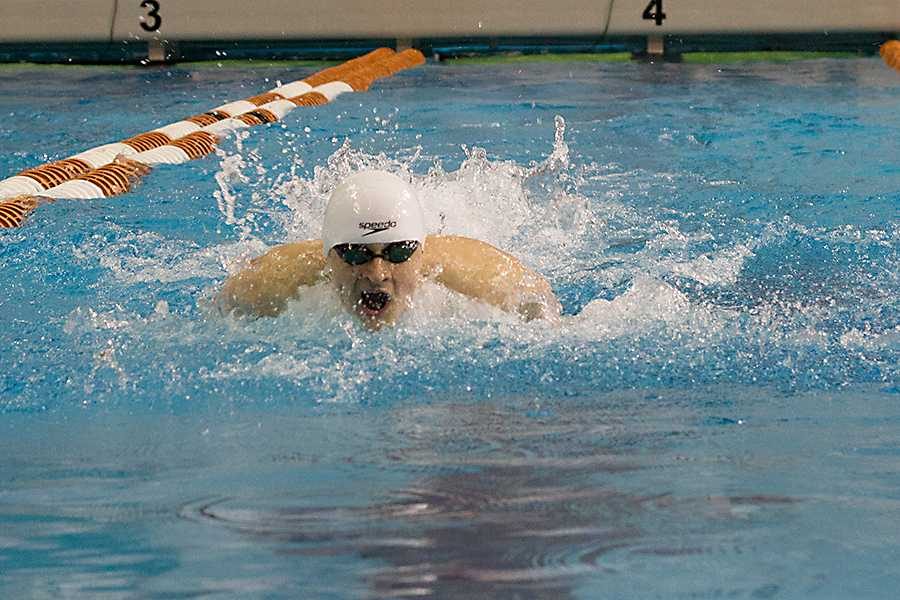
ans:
(856, 339)
(716, 268)
(85, 318)
(646, 306)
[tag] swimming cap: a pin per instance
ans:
(372, 207)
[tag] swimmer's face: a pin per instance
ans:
(377, 291)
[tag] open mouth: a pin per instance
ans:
(372, 303)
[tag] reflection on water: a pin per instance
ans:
(501, 504)
(707, 493)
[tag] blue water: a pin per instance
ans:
(717, 415)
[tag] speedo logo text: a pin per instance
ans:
(377, 226)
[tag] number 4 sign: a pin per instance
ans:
(654, 12)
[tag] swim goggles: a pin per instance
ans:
(360, 254)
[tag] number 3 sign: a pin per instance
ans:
(152, 20)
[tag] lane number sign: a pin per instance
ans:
(152, 20)
(654, 12)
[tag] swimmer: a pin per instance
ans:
(375, 251)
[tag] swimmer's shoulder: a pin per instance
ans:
(437, 246)
(480, 270)
(306, 253)
(263, 288)
(461, 252)
(291, 264)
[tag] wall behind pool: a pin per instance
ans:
(179, 20)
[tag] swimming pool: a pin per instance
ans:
(716, 417)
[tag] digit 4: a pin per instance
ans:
(654, 12)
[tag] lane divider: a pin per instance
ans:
(112, 169)
(890, 52)
(13, 212)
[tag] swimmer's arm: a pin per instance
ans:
(263, 288)
(481, 271)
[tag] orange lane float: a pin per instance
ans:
(14, 211)
(112, 169)
(890, 52)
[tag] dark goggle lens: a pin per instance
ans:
(360, 254)
(399, 252)
(354, 255)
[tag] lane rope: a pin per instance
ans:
(113, 169)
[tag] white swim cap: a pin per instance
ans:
(372, 207)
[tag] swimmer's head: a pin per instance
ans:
(372, 207)
(373, 236)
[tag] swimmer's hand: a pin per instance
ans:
(530, 311)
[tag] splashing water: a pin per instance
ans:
(654, 297)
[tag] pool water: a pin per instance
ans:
(716, 416)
